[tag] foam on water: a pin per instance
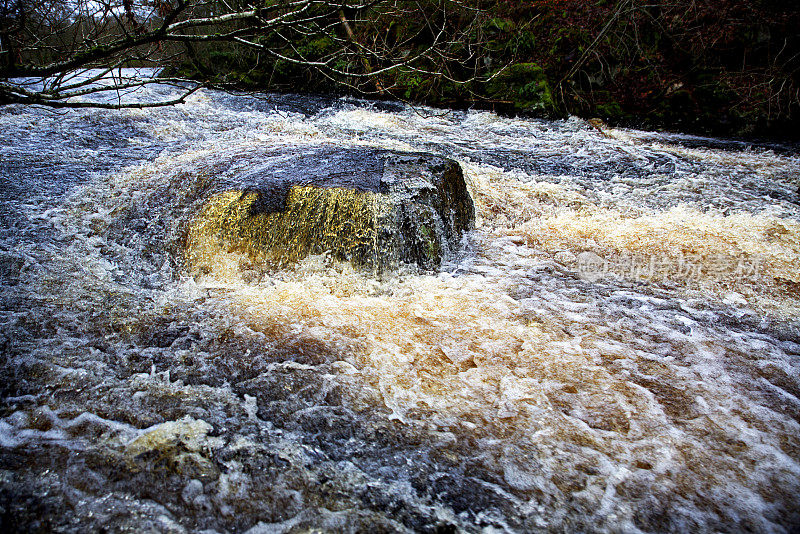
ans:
(514, 391)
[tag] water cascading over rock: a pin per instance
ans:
(374, 208)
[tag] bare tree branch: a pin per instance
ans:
(54, 46)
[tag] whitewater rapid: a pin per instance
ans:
(615, 349)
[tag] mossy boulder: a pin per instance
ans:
(374, 208)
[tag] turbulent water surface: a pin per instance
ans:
(615, 349)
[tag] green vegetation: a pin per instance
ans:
(524, 86)
(720, 66)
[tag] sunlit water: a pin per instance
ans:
(616, 349)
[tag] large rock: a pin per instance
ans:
(374, 208)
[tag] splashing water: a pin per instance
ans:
(615, 349)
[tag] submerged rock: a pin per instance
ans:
(179, 446)
(374, 208)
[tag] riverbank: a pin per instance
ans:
(717, 68)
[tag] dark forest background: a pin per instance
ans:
(726, 67)
(723, 67)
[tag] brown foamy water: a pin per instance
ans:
(614, 349)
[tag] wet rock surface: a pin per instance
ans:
(374, 208)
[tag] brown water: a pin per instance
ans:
(615, 349)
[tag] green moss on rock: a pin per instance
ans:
(525, 87)
(375, 209)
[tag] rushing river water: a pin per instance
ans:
(616, 348)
